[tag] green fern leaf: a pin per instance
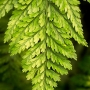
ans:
(43, 29)
(5, 7)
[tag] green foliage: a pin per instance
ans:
(81, 81)
(88, 1)
(11, 76)
(41, 31)
(5, 6)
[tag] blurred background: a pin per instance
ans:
(12, 78)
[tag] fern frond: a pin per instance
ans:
(10, 67)
(43, 29)
(71, 8)
(5, 7)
